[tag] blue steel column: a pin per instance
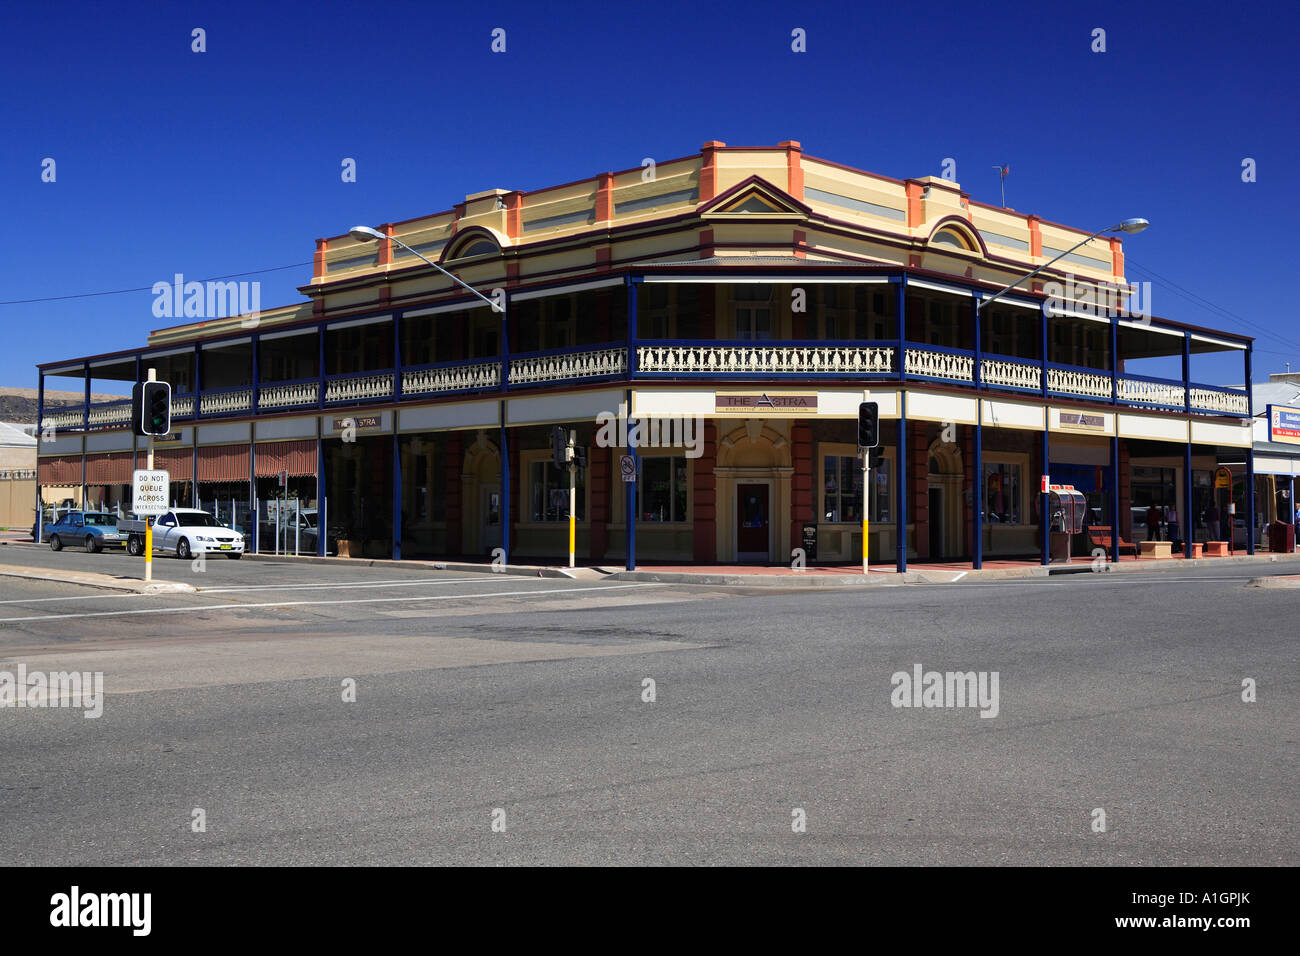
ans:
(978, 490)
(85, 427)
(505, 438)
(904, 489)
(397, 454)
(320, 365)
(505, 485)
(901, 479)
(1250, 457)
(40, 432)
(1045, 497)
(252, 486)
(194, 436)
(630, 489)
(257, 347)
(1186, 523)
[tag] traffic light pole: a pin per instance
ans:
(573, 497)
(148, 520)
(866, 504)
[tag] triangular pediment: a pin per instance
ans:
(754, 197)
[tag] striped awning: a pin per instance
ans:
(110, 468)
(298, 458)
(59, 470)
(177, 462)
(223, 463)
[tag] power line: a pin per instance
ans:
(1206, 303)
(148, 288)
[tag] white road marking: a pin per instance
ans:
(369, 584)
(407, 598)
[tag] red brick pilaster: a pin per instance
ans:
(453, 511)
(318, 264)
(708, 311)
(599, 463)
(385, 246)
(706, 499)
(1125, 493)
(794, 168)
(968, 471)
(709, 169)
(801, 485)
(604, 197)
(918, 468)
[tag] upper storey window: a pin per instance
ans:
(751, 310)
(951, 238)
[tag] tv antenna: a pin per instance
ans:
(1002, 175)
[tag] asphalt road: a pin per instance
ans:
(478, 692)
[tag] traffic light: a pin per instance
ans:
(580, 455)
(151, 408)
(868, 425)
(560, 446)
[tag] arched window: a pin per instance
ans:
(476, 247)
(951, 237)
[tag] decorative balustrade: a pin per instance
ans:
(224, 403)
(61, 418)
(940, 365)
(1143, 392)
(1215, 400)
(1008, 374)
(451, 378)
(109, 414)
(764, 359)
(1075, 382)
(182, 406)
(359, 388)
(561, 366)
(286, 395)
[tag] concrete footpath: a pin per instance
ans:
(91, 579)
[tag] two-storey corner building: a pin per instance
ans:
(758, 291)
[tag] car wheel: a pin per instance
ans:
(55, 543)
(134, 547)
(183, 549)
(92, 545)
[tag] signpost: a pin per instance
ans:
(150, 492)
(627, 467)
(868, 438)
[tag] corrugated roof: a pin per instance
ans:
(14, 436)
(1274, 393)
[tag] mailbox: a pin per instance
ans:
(1067, 510)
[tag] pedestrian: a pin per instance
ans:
(1153, 523)
(1212, 521)
(1171, 516)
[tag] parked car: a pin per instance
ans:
(306, 532)
(52, 513)
(93, 530)
(185, 532)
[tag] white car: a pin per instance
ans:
(183, 532)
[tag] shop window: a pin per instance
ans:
(842, 489)
(661, 489)
(548, 491)
(1003, 493)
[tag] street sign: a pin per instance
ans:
(1222, 478)
(150, 492)
(627, 466)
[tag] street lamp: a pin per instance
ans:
(1130, 226)
(367, 234)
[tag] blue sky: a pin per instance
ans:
(227, 162)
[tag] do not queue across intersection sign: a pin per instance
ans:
(150, 492)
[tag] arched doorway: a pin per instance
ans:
(944, 486)
(481, 496)
(753, 477)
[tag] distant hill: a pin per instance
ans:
(18, 405)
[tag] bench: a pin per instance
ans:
(1100, 538)
(1157, 549)
(1216, 549)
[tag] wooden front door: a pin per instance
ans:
(752, 523)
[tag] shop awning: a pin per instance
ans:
(298, 458)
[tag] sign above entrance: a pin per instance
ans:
(769, 404)
(1094, 423)
(359, 421)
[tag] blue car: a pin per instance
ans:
(93, 530)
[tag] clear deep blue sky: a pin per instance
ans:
(228, 161)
